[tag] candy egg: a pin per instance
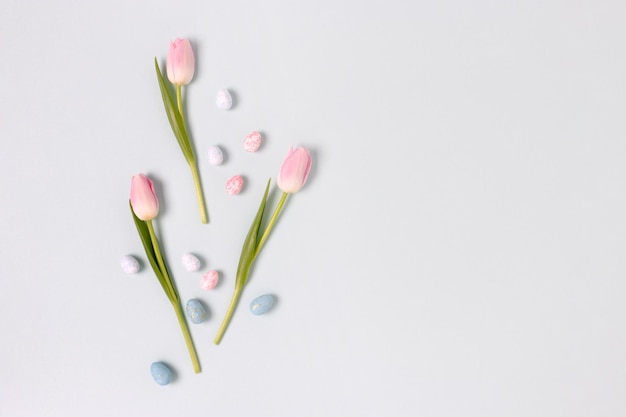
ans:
(234, 185)
(216, 156)
(252, 142)
(196, 313)
(191, 263)
(209, 280)
(130, 264)
(161, 373)
(223, 100)
(262, 304)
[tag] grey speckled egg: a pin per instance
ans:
(262, 304)
(196, 312)
(191, 262)
(161, 373)
(216, 156)
(130, 264)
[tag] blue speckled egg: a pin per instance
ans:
(161, 373)
(196, 312)
(262, 304)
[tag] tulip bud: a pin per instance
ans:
(295, 170)
(143, 199)
(180, 62)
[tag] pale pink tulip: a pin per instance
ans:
(143, 199)
(180, 62)
(295, 170)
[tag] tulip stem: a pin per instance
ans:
(161, 262)
(175, 300)
(179, 99)
(229, 314)
(239, 289)
(271, 223)
(185, 329)
(192, 162)
(199, 194)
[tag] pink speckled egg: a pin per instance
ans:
(209, 280)
(252, 142)
(234, 185)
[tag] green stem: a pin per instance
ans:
(192, 163)
(199, 194)
(229, 315)
(160, 261)
(175, 300)
(179, 99)
(271, 223)
(185, 328)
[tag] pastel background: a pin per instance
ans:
(458, 249)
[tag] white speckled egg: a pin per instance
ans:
(234, 185)
(191, 263)
(130, 264)
(223, 100)
(252, 142)
(216, 156)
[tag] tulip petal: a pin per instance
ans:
(143, 198)
(180, 62)
(295, 170)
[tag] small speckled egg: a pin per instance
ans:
(234, 185)
(161, 373)
(262, 304)
(209, 280)
(252, 142)
(130, 264)
(216, 156)
(196, 312)
(223, 99)
(191, 263)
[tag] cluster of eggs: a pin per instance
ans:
(251, 143)
(195, 310)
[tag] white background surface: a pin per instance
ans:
(457, 251)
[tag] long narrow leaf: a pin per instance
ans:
(249, 246)
(144, 234)
(176, 120)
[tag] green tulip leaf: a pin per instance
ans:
(248, 252)
(175, 118)
(144, 234)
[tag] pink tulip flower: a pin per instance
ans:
(180, 62)
(143, 199)
(295, 170)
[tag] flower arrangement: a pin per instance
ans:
(180, 70)
(144, 203)
(144, 206)
(291, 178)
